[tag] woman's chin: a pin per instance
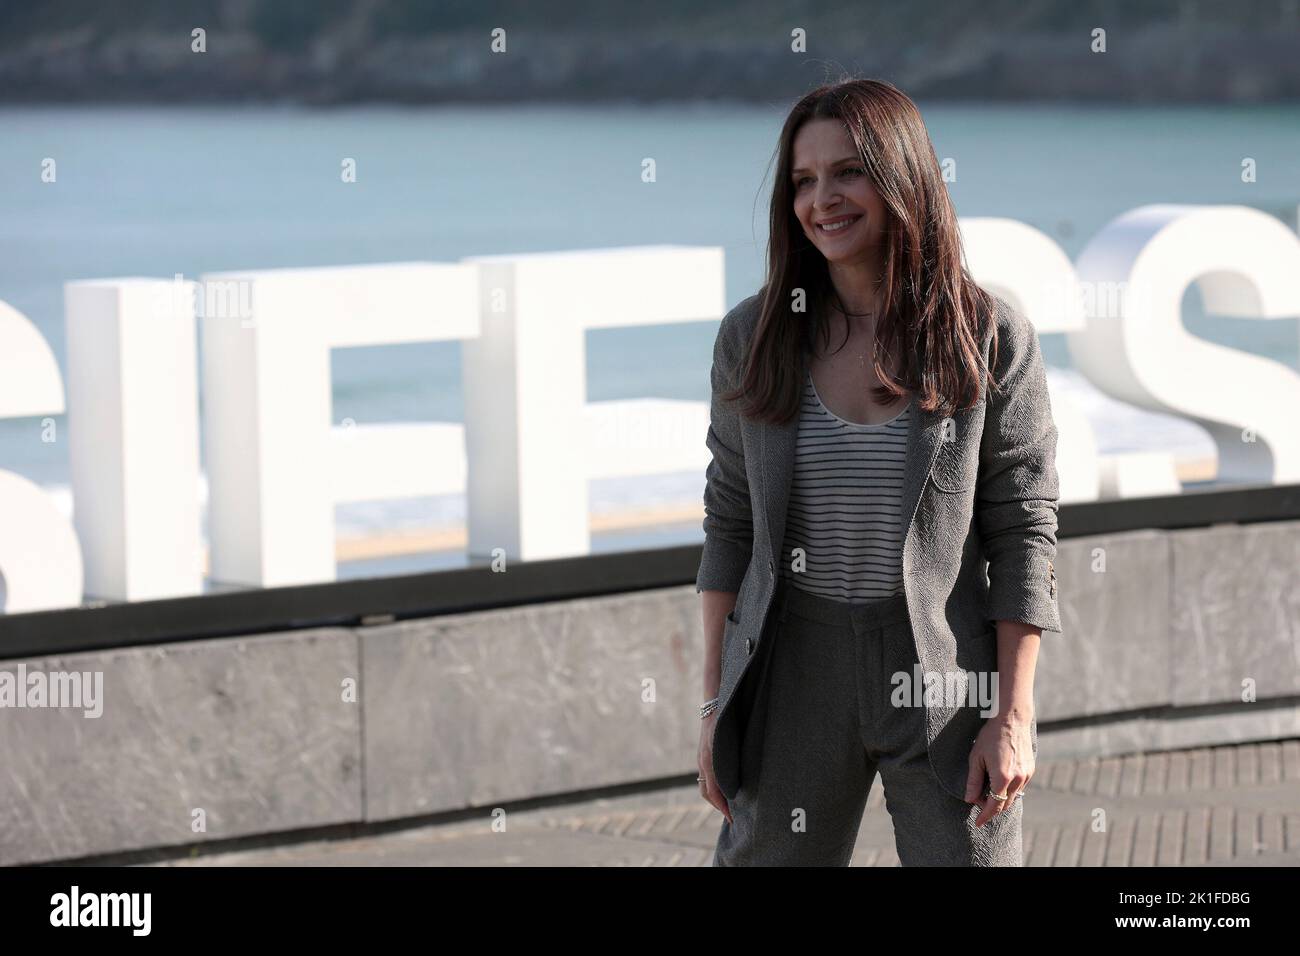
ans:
(840, 255)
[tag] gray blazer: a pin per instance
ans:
(980, 507)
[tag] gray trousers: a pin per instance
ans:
(822, 725)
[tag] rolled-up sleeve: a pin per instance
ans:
(728, 520)
(1016, 498)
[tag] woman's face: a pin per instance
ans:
(832, 188)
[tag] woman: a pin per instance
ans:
(880, 516)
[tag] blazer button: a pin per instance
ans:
(749, 645)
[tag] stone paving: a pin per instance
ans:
(1231, 805)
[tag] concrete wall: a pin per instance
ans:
(216, 739)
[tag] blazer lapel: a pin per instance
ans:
(924, 433)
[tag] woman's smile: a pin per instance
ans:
(838, 224)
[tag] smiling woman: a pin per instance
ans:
(855, 494)
(843, 216)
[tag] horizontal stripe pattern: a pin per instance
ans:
(845, 504)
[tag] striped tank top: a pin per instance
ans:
(845, 504)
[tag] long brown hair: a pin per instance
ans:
(932, 311)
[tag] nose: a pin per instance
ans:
(826, 197)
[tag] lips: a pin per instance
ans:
(830, 227)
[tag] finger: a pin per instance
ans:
(989, 806)
(999, 783)
(1025, 778)
(713, 793)
(1014, 788)
(709, 784)
(974, 777)
(722, 805)
(989, 809)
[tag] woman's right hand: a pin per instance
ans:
(709, 786)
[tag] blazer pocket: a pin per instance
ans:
(955, 467)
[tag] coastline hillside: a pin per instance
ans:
(411, 51)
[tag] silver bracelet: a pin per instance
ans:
(708, 707)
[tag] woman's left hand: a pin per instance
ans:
(1004, 751)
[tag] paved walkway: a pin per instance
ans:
(1232, 805)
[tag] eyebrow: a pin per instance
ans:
(838, 162)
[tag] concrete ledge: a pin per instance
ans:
(1173, 731)
(1113, 653)
(241, 736)
(1235, 603)
(470, 710)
